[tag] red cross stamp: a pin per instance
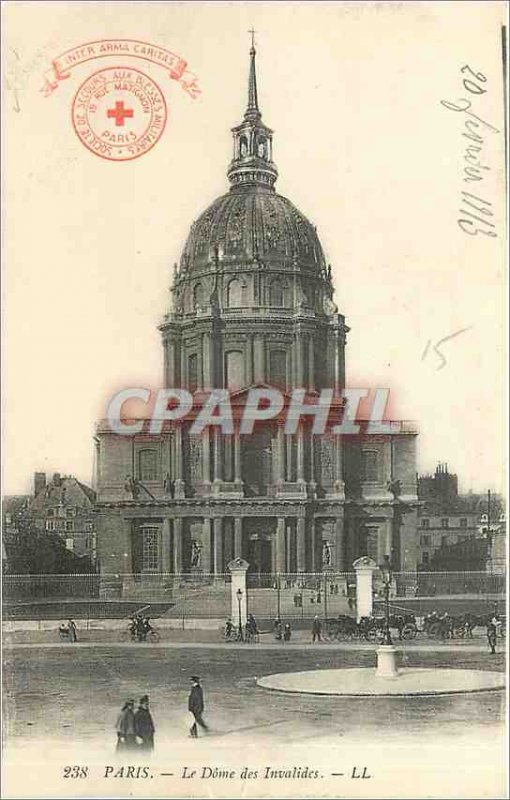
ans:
(119, 113)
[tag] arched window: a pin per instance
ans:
(278, 368)
(276, 294)
(234, 369)
(262, 147)
(370, 466)
(235, 293)
(148, 465)
(197, 295)
(243, 147)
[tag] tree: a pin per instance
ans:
(34, 552)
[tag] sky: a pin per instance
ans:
(365, 148)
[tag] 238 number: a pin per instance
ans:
(76, 772)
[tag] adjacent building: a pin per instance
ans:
(65, 506)
(454, 531)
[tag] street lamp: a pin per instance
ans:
(387, 575)
(239, 595)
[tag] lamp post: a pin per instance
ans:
(239, 595)
(387, 575)
(386, 653)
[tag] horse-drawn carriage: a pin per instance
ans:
(345, 628)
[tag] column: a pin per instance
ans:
(218, 546)
(288, 548)
(238, 537)
(165, 546)
(281, 471)
(237, 455)
(259, 359)
(313, 558)
(206, 545)
(207, 351)
(280, 544)
(178, 545)
(218, 472)
(301, 546)
(339, 545)
(299, 360)
(338, 468)
(184, 371)
(300, 455)
(170, 364)
(178, 466)
(311, 363)
(206, 456)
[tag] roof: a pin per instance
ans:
(254, 223)
(68, 491)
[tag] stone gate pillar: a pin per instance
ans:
(239, 602)
(364, 568)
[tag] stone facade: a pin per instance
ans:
(252, 304)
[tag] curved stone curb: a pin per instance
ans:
(364, 682)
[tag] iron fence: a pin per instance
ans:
(201, 595)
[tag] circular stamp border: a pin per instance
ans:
(101, 155)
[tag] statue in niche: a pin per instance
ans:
(130, 486)
(195, 553)
(168, 485)
(326, 554)
(394, 486)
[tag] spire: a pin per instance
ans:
(252, 162)
(252, 109)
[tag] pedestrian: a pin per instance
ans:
(491, 636)
(316, 629)
(125, 727)
(196, 706)
(71, 626)
(287, 632)
(144, 724)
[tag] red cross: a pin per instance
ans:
(119, 112)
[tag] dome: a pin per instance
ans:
(252, 224)
(252, 248)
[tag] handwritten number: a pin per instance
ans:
(438, 345)
(471, 85)
(478, 75)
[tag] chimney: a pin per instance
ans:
(39, 482)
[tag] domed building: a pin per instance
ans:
(252, 305)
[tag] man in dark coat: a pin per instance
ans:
(144, 724)
(71, 625)
(492, 636)
(125, 727)
(316, 629)
(196, 706)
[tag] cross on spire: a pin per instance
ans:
(253, 103)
